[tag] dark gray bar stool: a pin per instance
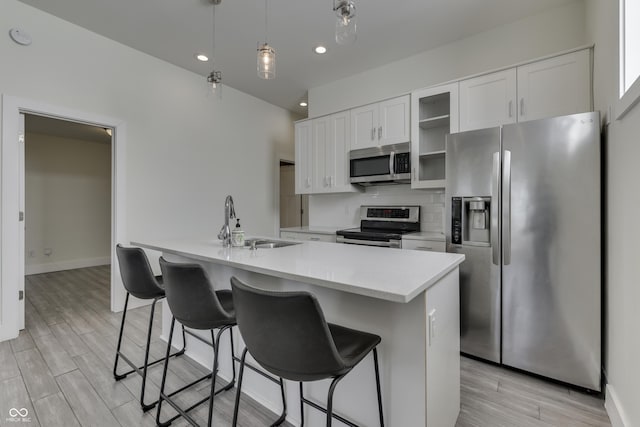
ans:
(139, 281)
(196, 305)
(287, 334)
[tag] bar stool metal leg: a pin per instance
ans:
(301, 406)
(279, 381)
(377, 369)
(164, 397)
(141, 370)
(332, 388)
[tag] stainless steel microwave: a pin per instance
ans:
(390, 164)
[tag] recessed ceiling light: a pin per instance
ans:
(202, 57)
(320, 50)
(303, 104)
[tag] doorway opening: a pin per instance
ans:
(67, 196)
(12, 206)
(294, 208)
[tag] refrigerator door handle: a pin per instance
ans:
(495, 208)
(506, 206)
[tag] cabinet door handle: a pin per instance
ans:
(330, 181)
(521, 107)
(315, 239)
(380, 132)
(414, 174)
(511, 108)
(373, 133)
(424, 248)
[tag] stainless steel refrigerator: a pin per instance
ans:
(523, 205)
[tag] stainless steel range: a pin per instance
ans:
(382, 226)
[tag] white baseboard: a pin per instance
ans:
(614, 408)
(66, 265)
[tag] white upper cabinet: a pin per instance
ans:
(487, 101)
(304, 156)
(337, 154)
(321, 136)
(322, 149)
(393, 125)
(546, 88)
(364, 121)
(555, 86)
(382, 123)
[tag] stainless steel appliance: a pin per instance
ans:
(382, 226)
(381, 165)
(523, 205)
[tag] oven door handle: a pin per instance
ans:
(389, 244)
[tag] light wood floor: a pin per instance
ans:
(59, 369)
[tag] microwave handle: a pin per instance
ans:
(392, 163)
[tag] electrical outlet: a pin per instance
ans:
(48, 251)
(432, 326)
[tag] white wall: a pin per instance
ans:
(186, 151)
(550, 32)
(67, 203)
(622, 291)
(343, 209)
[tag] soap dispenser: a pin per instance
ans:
(237, 235)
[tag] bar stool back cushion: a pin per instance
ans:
(192, 299)
(286, 333)
(137, 276)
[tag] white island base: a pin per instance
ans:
(418, 356)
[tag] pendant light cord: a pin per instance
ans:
(213, 38)
(266, 21)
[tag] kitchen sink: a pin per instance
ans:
(267, 244)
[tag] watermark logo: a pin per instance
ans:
(18, 416)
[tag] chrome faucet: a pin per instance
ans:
(229, 213)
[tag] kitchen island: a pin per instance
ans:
(409, 298)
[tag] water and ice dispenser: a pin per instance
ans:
(470, 221)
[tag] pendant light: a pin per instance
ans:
(346, 21)
(266, 53)
(214, 79)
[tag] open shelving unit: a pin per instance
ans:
(434, 114)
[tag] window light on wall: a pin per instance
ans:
(629, 56)
(629, 44)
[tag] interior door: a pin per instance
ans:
(22, 220)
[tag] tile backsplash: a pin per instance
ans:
(343, 209)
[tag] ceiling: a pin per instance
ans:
(175, 30)
(65, 129)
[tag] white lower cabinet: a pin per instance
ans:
(312, 237)
(424, 245)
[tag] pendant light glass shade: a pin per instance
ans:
(266, 62)
(215, 83)
(345, 22)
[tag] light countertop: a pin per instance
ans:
(388, 274)
(314, 229)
